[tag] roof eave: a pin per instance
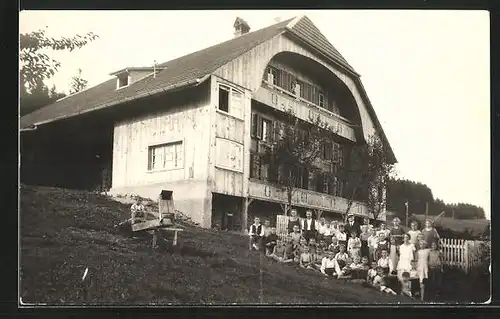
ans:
(171, 88)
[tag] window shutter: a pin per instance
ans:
(254, 125)
(150, 159)
(259, 127)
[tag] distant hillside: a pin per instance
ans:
(64, 231)
(475, 226)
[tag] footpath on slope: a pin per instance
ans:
(63, 232)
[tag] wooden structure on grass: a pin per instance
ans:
(163, 219)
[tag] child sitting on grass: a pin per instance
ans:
(334, 246)
(379, 282)
(306, 259)
(278, 253)
(365, 266)
(313, 246)
(289, 250)
(318, 257)
(300, 249)
(322, 244)
(406, 284)
(356, 269)
(372, 272)
(296, 235)
(382, 244)
(270, 241)
(384, 262)
(328, 265)
(342, 259)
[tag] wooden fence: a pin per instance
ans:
(458, 253)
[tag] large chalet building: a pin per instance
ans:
(199, 125)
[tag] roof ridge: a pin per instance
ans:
(285, 22)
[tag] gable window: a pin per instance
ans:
(167, 156)
(230, 100)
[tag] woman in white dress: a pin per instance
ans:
(422, 267)
(406, 255)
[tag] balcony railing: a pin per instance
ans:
(306, 198)
(283, 100)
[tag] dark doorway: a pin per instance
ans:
(226, 212)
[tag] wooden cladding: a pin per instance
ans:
(299, 87)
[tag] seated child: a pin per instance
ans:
(365, 266)
(382, 244)
(289, 250)
(270, 241)
(328, 264)
(372, 272)
(313, 245)
(322, 244)
(384, 261)
(306, 259)
(334, 246)
(318, 257)
(296, 235)
(356, 268)
(379, 282)
(278, 253)
(341, 259)
(406, 284)
(299, 249)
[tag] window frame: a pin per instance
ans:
(230, 90)
(176, 144)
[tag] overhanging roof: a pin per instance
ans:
(192, 69)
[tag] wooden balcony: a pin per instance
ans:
(306, 198)
(282, 100)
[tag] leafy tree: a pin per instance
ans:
(78, 83)
(35, 65)
(297, 149)
(38, 97)
(367, 173)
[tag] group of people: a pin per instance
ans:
(390, 260)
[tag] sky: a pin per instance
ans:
(425, 72)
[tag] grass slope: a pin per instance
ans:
(65, 231)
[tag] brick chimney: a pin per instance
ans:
(240, 27)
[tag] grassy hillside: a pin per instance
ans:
(475, 226)
(64, 231)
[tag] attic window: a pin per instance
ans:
(123, 80)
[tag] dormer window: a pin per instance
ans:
(122, 80)
(129, 75)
